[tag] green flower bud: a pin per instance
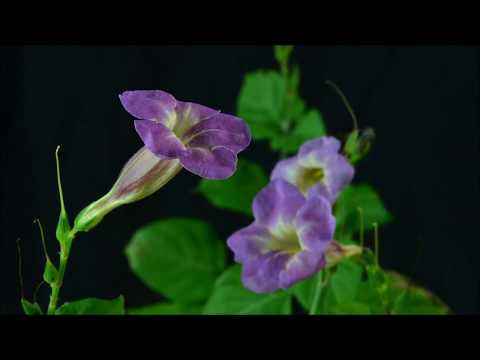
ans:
(358, 144)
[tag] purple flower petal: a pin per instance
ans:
(338, 173)
(217, 163)
(262, 274)
(315, 224)
(205, 141)
(159, 139)
(301, 266)
(287, 169)
(149, 104)
(195, 112)
(321, 190)
(249, 242)
(317, 169)
(287, 241)
(219, 130)
(277, 202)
(327, 144)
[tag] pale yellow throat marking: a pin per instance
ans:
(285, 239)
(309, 177)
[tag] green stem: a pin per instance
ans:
(57, 285)
(375, 234)
(318, 291)
(362, 230)
(59, 182)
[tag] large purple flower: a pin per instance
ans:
(288, 239)
(205, 141)
(317, 169)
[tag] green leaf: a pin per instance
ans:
(407, 298)
(261, 103)
(30, 308)
(359, 196)
(93, 306)
(342, 287)
(304, 291)
(237, 192)
(167, 309)
(309, 126)
(414, 301)
(368, 294)
(350, 309)
(178, 257)
(345, 281)
(229, 297)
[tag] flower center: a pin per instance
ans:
(285, 239)
(309, 177)
(179, 123)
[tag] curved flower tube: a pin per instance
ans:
(205, 141)
(317, 169)
(141, 176)
(287, 241)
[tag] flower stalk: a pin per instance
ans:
(57, 284)
(318, 291)
(65, 237)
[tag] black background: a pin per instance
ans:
(422, 102)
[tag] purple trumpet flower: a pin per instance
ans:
(205, 141)
(176, 135)
(288, 240)
(317, 169)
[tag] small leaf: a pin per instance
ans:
(178, 257)
(63, 229)
(282, 53)
(230, 297)
(93, 306)
(50, 273)
(237, 192)
(309, 126)
(167, 309)
(261, 103)
(354, 197)
(30, 308)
